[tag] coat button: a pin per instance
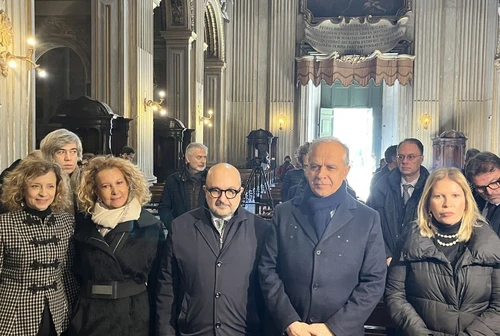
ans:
(219, 264)
(318, 252)
(217, 325)
(217, 295)
(315, 286)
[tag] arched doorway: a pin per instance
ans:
(66, 79)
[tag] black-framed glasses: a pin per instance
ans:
(410, 157)
(493, 186)
(230, 193)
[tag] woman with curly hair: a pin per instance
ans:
(37, 287)
(117, 246)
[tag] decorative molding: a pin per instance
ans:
(6, 36)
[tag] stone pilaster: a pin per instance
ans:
(17, 89)
(122, 68)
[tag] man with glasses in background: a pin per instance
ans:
(208, 282)
(483, 173)
(396, 195)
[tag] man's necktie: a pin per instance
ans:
(406, 194)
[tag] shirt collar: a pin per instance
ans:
(412, 183)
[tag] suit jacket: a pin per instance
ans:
(337, 279)
(203, 287)
(35, 265)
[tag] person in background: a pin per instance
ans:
(38, 289)
(183, 190)
(483, 173)
(446, 280)
(284, 168)
(296, 176)
(209, 281)
(322, 269)
(117, 248)
(128, 153)
(382, 164)
(397, 193)
(391, 157)
(86, 157)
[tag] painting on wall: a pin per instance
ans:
(354, 8)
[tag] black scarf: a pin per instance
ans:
(321, 207)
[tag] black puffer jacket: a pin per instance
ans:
(426, 296)
(394, 214)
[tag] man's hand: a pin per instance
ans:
(298, 329)
(320, 329)
(389, 261)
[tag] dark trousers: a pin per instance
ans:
(47, 327)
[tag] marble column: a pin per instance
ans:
(455, 43)
(261, 70)
(17, 89)
(213, 137)
(122, 68)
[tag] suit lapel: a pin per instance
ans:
(208, 235)
(495, 220)
(89, 235)
(303, 220)
(342, 216)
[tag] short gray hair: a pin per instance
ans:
(315, 143)
(57, 139)
(194, 145)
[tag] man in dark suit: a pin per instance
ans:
(322, 270)
(483, 173)
(208, 284)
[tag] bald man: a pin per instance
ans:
(208, 282)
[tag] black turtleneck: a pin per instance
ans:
(454, 252)
(42, 214)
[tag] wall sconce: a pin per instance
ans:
(281, 121)
(207, 120)
(156, 105)
(8, 60)
(425, 121)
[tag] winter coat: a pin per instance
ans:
(35, 266)
(203, 289)
(175, 199)
(125, 257)
(337, 279)
(425, 295)
(292, 178)
(394, 214)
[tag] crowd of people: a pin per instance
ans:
(79, 255)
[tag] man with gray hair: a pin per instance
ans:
(322, 269)
(65, 148)
(183, 190)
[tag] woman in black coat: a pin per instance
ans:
(447, 279)
(117, 244)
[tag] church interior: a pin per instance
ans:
(251, 78)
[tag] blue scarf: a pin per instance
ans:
(321, 207)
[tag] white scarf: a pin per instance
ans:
(108, 219)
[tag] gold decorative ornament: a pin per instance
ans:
(156, 105)
(207, 120)
(7, 59)
(425, 121)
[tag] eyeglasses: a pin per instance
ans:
(493, 186)
(230, 193)
(410, 157)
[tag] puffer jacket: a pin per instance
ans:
(426, 296)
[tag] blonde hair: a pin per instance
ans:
(87, 195)
(471, 217)
(31, 167)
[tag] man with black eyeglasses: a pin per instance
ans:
(208, 282)
(396, 195)
(483, 173)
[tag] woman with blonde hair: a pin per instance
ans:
(447, 279)
(37, 287)
(117, 245)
